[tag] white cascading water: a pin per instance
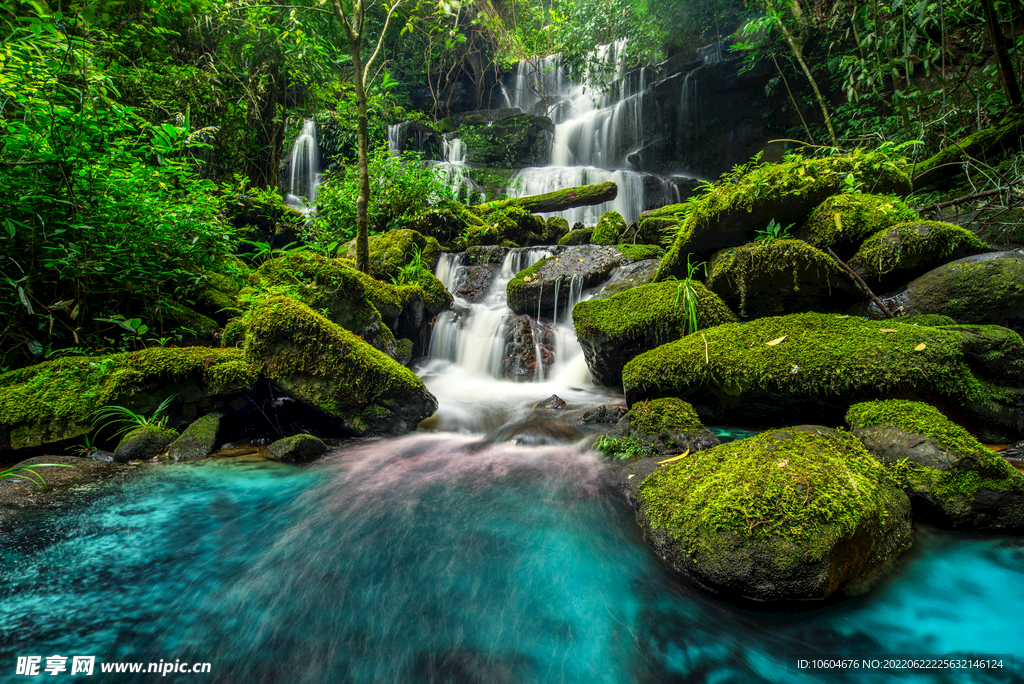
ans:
(304, 169)
(595, 133)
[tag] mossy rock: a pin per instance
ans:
(199, 439)
(981, 289)
(514, 142)
(641, 252)
(844, 221)
(657, 428)
(233, 335)
(443, 223)
(932, 320)
(908, 250)
(951, 478)
(555, 228)
(628, 276)
(143, 443)
(273, 223)
(772, 278)
(816, 365)
(730, 213)
(486, 255)
(55, 401)
(608, 229)
(354, 388)
(447, 125)
(794, 513)
(297, 448)
(580, 236)
(197, 327)
(218, 295)
(613, 331)
(546, 286)
(392, 251)
(515, 227)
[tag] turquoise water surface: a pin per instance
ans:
(436, 558)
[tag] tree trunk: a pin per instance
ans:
(798, 53)
(1006, 75)
(363, 160)
(560, 200)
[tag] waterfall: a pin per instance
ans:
(454, 172)
(304, 169)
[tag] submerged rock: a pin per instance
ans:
(353, 388)
(615, 330)
(987, 288)
(794, 513)
(817, 365)
(198, 440)
(951, 479)
(297, 448)
(143, 442)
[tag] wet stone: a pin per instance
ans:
(552, 402)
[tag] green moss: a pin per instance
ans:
(56, 400)
(608, 229)
(234, 333)
(921, 244)
(580, 236)
(177, 315)
(524, 277)
(555, 228)
(640, 252)
(514, 226)
(446, 125)
(743, 268)
(671, 415)
(919, 418)
(390, 252)
(794, 491)
(932, 320)
(403, 353)
(821, 356)
(653, 309)
(844, 221)
(974, 145)
(730, 212)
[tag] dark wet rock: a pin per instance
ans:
(628, 276)
(576, 236)
(483, 255)
(763, 371)
(552, 402)
(419, 137)
(660, 427)
(60, 482)
(587, 265)
(835, 520)
(99, 455)
(142, 443)
(601, 416)
(476, 281)
(199, 439)
(297, 448)
(987, 288)
(951, 478)
(514, 142)
(523, 335)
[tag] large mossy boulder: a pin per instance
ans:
(199, 439)
(55, 401)
(512, 226)
(143, 443)
(908, 250)
(608, 229)
(795, 513)
(218, 296)
(817, 365)
(354, 388)
(843, 222)
(579, 236)
(546, 286)
(394, 250)
(731, 211)
(777, 277)
(615, 330)
(981, 289)
(299, 448)
(657, 428)
(513, 142)
(951, 478)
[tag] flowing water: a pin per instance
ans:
(304, 172)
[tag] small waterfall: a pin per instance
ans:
(395, 138)
(454, 172)
(304, 169)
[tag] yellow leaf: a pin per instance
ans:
(775, 341)
(887, 330)
(920, 347)
(675, 458)
(839, 222)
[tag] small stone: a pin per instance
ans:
(552, 402)
(297, 448)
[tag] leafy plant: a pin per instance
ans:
(774, 231)
(127, 420)
(28, 472)
(687, 296)
(414, 271)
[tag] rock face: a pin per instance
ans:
(794, 513)
(660, 427)
(907, 250)
(844, 221)
(817, 365)
(56, 400)
(198, 440)
(297, 448)
(615, 330)
(525, 337)
(353, 387)
(778, 277)
(142, 443)
(534, 289)
(951, 479)
(628, 276)
(734, 209)
(987, 288)
(514, 142)
(418, 137)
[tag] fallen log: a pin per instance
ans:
(560, 200)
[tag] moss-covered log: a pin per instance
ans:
(946, 163)
(560, 200)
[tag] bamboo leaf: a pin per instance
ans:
(775, 341)
(920, 347)
(675, 458)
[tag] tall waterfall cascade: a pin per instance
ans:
(596, 133)
(304, 171)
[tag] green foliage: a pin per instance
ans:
(400, 188)
(775, 231)
(623, 448)
(127, 420)
(29, 473)
(687, 295)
